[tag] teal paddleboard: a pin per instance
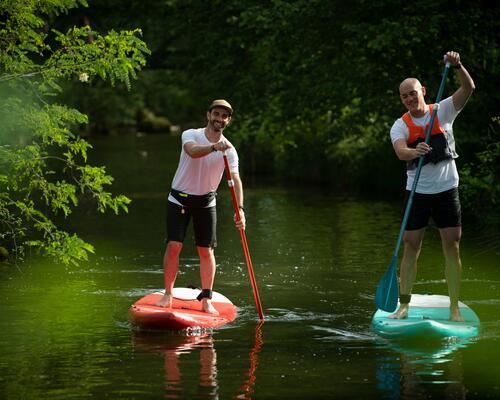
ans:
(428, 317)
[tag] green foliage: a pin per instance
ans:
(333, 68)
(314, 83)
(43, 164)
(480, 178)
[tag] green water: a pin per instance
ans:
(64, 332)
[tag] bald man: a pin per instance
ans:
(436, 194)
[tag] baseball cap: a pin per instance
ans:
(221, 103)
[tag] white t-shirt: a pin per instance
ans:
(201, 175)
(434, 178)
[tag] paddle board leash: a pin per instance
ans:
(386, 296)
(230, 183)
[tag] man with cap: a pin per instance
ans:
(199, 173)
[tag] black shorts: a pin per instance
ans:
(444, 208)
(204, 224)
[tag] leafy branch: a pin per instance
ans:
(43, 163)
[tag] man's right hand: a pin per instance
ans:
(222, 145)
(422, 149)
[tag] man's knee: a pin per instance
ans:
(450, 238)
(413, 243)
(452, 248)
(205, 252)
(173, 249)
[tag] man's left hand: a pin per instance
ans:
(453, 57)
(241, 224)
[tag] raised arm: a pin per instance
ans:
(462, 94)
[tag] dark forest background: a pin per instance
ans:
(314, 83)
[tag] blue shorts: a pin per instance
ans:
(204, 224)
(444, 208)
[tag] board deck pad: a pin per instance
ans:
(428, 317)
(186, 311)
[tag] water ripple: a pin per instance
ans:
(283, 315)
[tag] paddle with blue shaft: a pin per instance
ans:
(387, 293)
(243, 240)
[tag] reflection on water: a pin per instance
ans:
(176, 347)
(247, 388)
(421, 370)
(172, 347)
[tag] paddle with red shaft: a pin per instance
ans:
(243, 239)
(387, 293)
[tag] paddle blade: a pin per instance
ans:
(386, 296)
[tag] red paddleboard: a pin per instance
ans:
(185, 312)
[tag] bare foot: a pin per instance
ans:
(206, 305)
(455, 315)
(402, 313)
(165, 301)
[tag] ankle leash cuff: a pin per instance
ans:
(204, 294)
(404, 298)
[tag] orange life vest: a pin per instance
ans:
(416, 132)
(437, 141)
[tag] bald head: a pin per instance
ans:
(412, 93)
(409, 84)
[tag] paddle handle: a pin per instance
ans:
(421, 161)
(248, 259)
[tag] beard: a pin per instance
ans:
(217, 125)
